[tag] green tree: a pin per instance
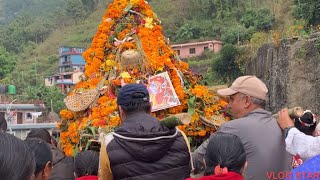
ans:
(75, 9)
(232, 34)
(308, 10)
(47, 94)
(260, 19)
(185, 32)
(7, 62)
(225, 64)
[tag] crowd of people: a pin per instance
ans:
(253, 146)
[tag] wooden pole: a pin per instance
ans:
(295, 112)
(175, 120)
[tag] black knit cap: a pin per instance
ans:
(125, 95)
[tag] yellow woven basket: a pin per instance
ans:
(80, 101)
(215, 121)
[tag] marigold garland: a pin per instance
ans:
(122, 20)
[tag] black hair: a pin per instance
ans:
(41, 151)
(41, 134)
(16, 160)
(55, 133)
(225, 150)
(137, 106)
(3, 124)
(307, 117)
(86, 163)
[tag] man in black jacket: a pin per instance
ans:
(142, 148)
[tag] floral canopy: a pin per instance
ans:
(129, 47)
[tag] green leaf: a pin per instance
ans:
(76, 150)
(93, 130)
(87, 146)
(191, 105)
(127, 8)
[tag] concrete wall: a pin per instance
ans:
(21, 130)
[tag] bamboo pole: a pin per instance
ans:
(295, 112)
(175, 120)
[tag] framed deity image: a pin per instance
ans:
(162, 93)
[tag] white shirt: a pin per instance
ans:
(297, 143)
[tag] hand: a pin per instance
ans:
(198, 163)
(316, 133)
(284, 119)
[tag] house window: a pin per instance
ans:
(28, 116)
(67, 76)
(205, 48)
(178, 51)
(80, 50)
(192, 50)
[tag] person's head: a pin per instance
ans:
(55, 133)
(133, 98)
(41, 134)
(86, 163)
(16, 160)
(246, 94)
(306, 123)
(3, 124)
(43, 158)
(225, 151)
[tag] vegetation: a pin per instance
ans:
(32, 30)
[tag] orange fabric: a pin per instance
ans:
(104, 163)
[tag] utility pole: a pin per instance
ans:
(238, 35)
(9, 116)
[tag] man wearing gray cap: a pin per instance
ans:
(258, 130)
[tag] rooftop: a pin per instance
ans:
(196, 43)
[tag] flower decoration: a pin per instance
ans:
(132, 25)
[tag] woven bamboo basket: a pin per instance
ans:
(80, 101)
(130, 57)
(215, 121)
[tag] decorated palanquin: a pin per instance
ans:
(129, 47)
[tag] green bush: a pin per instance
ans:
(259, 19)
(225, 65)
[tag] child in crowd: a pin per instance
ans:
(86, 165)
(43, 157)
(3, 124)
(16, 161)
(62, 165)
(225, 158)
(307, 124)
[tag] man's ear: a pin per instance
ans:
(244, 168)
(47, 169)
(248, 101)
(122, 115)
(150, 110)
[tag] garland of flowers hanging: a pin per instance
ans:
(128, 47)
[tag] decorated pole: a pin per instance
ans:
(130, 47)
(295, 112)
(176, 120)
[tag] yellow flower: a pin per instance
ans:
(134, 1)
(125, 75)
(149, 23)
(109, 64)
